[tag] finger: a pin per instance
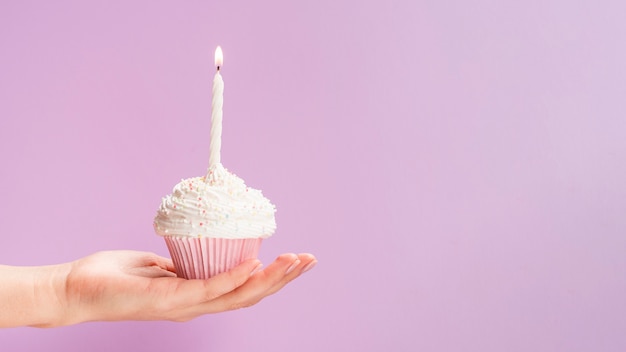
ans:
(161, 262)
(166, 264)
(151, 272)
(253, 290)
(307, 262)
(152, 266)
(196, 292)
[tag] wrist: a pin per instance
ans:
(49, 296)
(33, 296)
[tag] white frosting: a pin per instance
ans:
(218, 205)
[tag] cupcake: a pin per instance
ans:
(213, 223)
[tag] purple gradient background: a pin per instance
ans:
(458, 167)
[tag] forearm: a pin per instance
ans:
(32, 296)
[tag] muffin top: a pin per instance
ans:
(219, 205)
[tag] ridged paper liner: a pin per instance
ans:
(202, 258)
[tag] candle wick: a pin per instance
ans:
(218, 68)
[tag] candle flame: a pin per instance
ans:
(219, 57)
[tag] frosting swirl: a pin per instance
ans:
(217, 205)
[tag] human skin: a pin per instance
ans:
(131, 285)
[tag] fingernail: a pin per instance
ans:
(309, 266)
(293, 266)
(256, 269)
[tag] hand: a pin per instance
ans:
(128, 285)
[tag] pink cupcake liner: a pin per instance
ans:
(202, 258)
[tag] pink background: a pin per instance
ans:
(458, 167)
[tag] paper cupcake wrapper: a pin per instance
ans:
(202, 258)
